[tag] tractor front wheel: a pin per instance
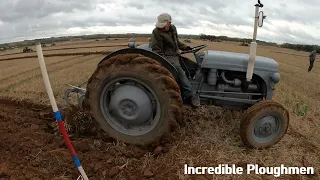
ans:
(264, 124)
(134, 99)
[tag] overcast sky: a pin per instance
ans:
(295, 21)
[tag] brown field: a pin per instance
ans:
(31, 149)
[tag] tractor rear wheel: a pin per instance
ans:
(264, 124)
(134, 99)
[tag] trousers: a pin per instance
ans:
(311, 64)
(183, 81)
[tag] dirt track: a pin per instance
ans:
(55, 49)
(61, 54)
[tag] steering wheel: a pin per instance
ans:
(195, 49)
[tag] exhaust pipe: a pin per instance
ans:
(253, 45)
(252, 56)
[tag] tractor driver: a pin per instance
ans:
(165, 42)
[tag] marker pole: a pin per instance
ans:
(56, 110)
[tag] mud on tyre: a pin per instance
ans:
(134, 99)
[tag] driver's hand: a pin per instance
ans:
(188, 48)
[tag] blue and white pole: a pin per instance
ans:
(56, 110)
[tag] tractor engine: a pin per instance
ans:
(229, 89)
(221, 79)
(227, 81)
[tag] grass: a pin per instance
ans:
(211, 135)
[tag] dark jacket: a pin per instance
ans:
(166, 43)
(312, 55)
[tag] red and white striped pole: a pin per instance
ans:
(56, 110)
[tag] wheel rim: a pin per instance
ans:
(266, 128)
(130, 106)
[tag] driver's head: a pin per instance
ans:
(164, 21)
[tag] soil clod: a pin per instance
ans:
(147, 173)
(114, 171)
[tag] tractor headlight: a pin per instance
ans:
(275, 77)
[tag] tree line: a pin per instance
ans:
(298, 47)
(301, 47)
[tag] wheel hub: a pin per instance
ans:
(265, 127)
(130, 105)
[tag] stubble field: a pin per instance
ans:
(30, 147)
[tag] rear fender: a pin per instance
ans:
(146, 53)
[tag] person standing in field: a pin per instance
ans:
(165, 42)
(312, 58)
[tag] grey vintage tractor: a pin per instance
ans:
(134, 93)
(26, 49)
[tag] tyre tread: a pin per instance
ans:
(162, 76)
(266, 105)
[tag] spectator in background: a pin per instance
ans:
(312, 58)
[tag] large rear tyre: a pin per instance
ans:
(134, 99)
(264, 124)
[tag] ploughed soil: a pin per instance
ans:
(31, 147)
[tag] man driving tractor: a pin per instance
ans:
(165, 42)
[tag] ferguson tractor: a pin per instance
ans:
(26, 49)
(134, 93)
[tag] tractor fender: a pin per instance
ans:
(146, 53)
